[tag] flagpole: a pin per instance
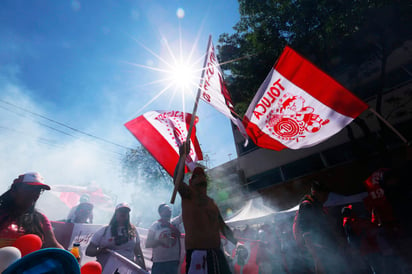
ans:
(389, 125)
(180, 171)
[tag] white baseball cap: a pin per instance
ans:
(123, 205)
(33, 179)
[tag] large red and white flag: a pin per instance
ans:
(162, 132)
(299, 106)
(214, 91)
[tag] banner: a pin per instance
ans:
(82, 234)
(299, 106)
(119, 264)
(214, 91)
(161, 133)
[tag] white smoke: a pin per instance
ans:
(29, 142)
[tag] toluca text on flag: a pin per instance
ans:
(214, 91)
(162, 132)
(299, 106)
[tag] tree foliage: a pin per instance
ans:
(139, 167)
(338, 36)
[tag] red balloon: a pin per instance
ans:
(28, 243)
(91, 268)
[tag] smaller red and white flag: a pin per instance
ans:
(214, 91)
(162, 132)
(299, 106)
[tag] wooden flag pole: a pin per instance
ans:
(389, 125)
(180, 171)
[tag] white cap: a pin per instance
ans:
(33, 179)
(123, 205)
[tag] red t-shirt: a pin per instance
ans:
(11, 232)
(376, 199)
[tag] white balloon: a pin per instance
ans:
(8, 255)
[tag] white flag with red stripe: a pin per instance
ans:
(162, 132)
(299, 106)
(214, 91)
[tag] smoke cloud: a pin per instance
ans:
(29, 142)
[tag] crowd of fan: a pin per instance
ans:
(369, 237)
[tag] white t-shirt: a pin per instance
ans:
(169, 252)
(103, 238)
(85, 215)
(178, 222)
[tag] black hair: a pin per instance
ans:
(130, 230)
(30, 221)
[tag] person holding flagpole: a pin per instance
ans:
(202, 221)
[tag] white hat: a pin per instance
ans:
(33, 179)
(123, 205)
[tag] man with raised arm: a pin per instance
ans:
(202, 222)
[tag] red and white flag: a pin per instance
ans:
(162, 132)
(214, 91)
(299, 106)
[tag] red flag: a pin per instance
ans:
(161, 133)
(70, 195)
(299, 106)
(214, 91)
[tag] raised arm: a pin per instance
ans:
(182, 188)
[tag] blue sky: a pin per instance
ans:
(75, 62)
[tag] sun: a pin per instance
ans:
(183, 75)
(177, 68)
(178, 71)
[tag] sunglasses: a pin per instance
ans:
(32, 189)
(122, 212)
